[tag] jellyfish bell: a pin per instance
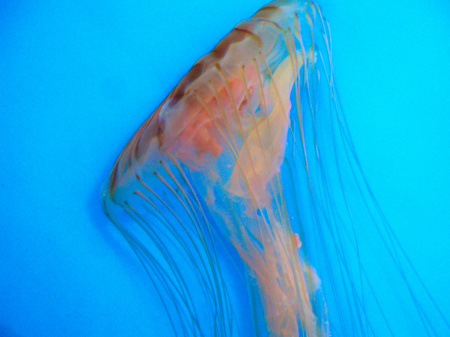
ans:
(249, 159)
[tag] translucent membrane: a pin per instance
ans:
(249, 160)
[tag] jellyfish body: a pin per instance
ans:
(243, 155)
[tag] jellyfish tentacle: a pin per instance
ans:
(239, 171)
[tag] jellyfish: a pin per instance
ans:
(248, 165)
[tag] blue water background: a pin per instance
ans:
(78, 77)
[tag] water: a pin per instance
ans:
(78, 78)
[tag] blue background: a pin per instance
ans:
(78, 77)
